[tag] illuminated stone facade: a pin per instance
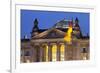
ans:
(47, 45)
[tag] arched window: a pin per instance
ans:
(27, 53)
(46, 52)
(62, 52)
(84, 53)
(54, 52)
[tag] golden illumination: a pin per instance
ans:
(46, 52)
(68, 35)
(54, 52)
(62, 49)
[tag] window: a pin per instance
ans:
(84, 53)
(27, 53)
(83, 50)
(62, 52)
(46, 48)
(54, 52)
(22, 52)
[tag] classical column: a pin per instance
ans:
(43, 52)
(66, 54)
(69, 52)
(75, 50)
(37, 53)
(49, 52)
(33, 54)
(79, 48)
(58, 52)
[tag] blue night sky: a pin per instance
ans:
(47, 19)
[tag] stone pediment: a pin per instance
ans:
(50, 33)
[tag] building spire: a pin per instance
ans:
(77, 28)
(77, 22)
(35, 24)
(35, 28)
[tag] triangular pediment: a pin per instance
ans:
(50, 33)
